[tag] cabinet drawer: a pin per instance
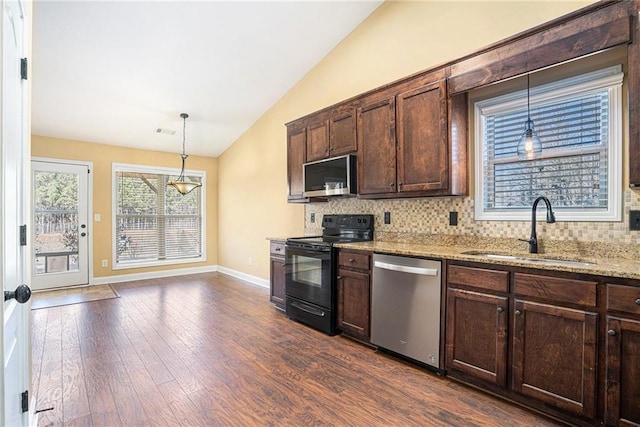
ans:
(556, 289)
(359, 260)
(623, 298)
(478, 278)
(277, 248)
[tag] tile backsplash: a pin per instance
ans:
(430, 216)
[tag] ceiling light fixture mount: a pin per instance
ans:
(529, 145)
(181, 184)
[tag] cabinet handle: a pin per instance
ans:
(500, 309)
(283, 264)
(638, 301)
(339, 277)
(518, 312)
(400, 183)
(392, 184)
(278, 249)
(611, 332)
(352, 260)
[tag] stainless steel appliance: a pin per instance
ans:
(330, 177)
(310, 275)
(405, 307)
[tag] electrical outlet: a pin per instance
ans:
(634, 220)
(313, 217)
(387, 217)
(105, 263)
(453, 218)
(250, 261)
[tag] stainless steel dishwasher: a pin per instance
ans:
(405, 307)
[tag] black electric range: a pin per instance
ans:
(310, 278)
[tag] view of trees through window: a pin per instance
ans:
(155, 222)
(55, 221)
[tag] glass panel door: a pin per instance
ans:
(60, 226)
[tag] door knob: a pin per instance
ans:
(21, 294)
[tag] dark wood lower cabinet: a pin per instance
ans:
(277, 270)
(354, 294)
(353, 303)
(477, 334)
(623, 372)
(554, 356)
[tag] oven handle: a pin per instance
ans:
(308, 309)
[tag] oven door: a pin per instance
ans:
(309, 274)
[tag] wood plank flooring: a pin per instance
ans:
(208, 350)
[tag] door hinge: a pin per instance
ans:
(23, 235)
(23, 68)
(25, 401)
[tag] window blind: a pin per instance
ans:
(572, 170)
(154, 222)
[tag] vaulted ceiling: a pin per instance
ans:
(116, 72)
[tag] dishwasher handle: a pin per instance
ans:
(406, 269)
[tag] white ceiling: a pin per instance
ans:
(112, 72)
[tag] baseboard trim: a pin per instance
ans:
(153, 275)
(243, 276)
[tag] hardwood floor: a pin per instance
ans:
(208, 349)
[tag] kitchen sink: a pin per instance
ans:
(548, 260)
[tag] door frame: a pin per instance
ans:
(90, 217)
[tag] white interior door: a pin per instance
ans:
(14, 200)
(60, 224)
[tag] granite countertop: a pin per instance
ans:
(612, 267)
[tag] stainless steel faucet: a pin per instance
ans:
(551, 218)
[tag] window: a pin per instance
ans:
(579, 121)
(153, 223)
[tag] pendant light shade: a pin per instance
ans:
(181, 184)
(529, 145)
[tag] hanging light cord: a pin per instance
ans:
(528, 109)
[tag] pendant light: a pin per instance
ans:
(181, 184)
(529, 145)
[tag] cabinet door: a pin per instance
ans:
(342, 128)
(477, 335)
(623, 372)
(377, 148)
(277, 282)
(296, 157)
(354, 303)
(423, 155)
(318, 141)
(554, 356)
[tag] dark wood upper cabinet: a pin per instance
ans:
(296, 157)
(423, 155)
(342, 126)
(377, 147)
(318, 140)
(633, 82)
(331, 135)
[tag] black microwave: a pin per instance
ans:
(330, 177)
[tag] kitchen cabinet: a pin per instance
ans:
(318, 139)
(476, 323)
(296, 157)
(278, 269)
(554, 347)
(404, 149)
(333, 136)
(622, 355)
(377, 147)
(354, 294)
(531, 337)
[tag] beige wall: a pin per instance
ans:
(102, 157)
(398, 39)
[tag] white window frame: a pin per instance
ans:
(119, 167)
(610, 78)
